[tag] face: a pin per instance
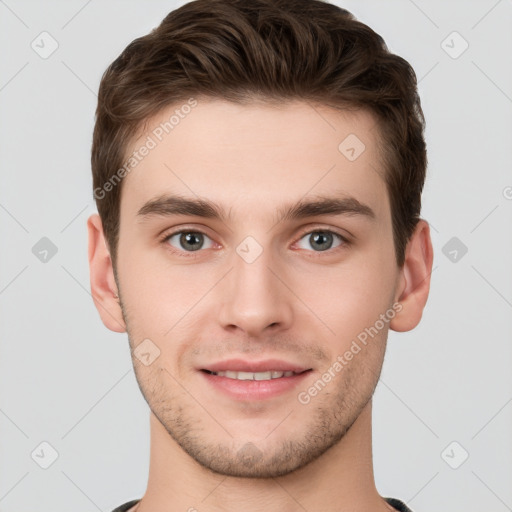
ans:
(244, 302)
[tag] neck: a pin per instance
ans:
(340, 480)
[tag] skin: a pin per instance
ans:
(210, 452)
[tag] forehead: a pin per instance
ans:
(254, 155)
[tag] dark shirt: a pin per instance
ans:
(397, 504)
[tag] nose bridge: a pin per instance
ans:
(254, 298)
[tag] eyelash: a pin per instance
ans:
(192, 254)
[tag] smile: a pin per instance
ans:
(268, 375)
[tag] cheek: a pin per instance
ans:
(154, 286)
(162, 303)
(347, 298)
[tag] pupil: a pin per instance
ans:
(320, 238)
(188, 241)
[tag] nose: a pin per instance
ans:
(253, 297)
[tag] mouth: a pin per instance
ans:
(266, 375)
(245, 380)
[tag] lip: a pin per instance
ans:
(254, 390)
(240, 365)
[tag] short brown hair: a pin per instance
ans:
(274, 49)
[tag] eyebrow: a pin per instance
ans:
(168, 205)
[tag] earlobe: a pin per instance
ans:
(414, 285)
(103, 286)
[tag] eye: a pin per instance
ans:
(185, 242)
(188, 241)
(322, 240)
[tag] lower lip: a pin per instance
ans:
(254, 389)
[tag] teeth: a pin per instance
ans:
(271, 374)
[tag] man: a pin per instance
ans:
(258, 169)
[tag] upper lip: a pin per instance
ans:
(240, 365)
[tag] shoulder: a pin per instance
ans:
(398, 505)
(126, 507)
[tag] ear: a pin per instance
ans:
(414, 281)
(103, 285)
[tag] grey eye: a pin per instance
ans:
(320, 240)
(190, 240)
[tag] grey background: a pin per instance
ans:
(68, 381)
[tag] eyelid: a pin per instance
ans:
(314, 228)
